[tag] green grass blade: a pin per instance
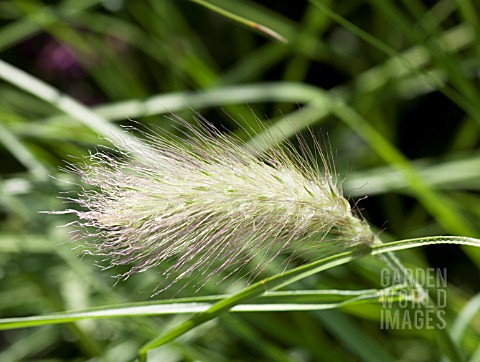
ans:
(410, 61)
(449, 174)
(289, 277)
(173, 102)
(463, 100)
(14, 33)
(23, 154)
(472, 18)
(469, 311)
(467, 93)
(300, 300)
(427, 33)
(256, 340)
(249, 23)
(63, 102)
(353, 338)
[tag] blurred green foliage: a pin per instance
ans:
(392, 87)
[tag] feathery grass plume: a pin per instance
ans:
(205, 204)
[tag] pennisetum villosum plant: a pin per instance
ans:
(206, 204)
(203, 204)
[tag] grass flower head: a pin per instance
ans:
(205, 204)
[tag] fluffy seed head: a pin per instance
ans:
(205, 204)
